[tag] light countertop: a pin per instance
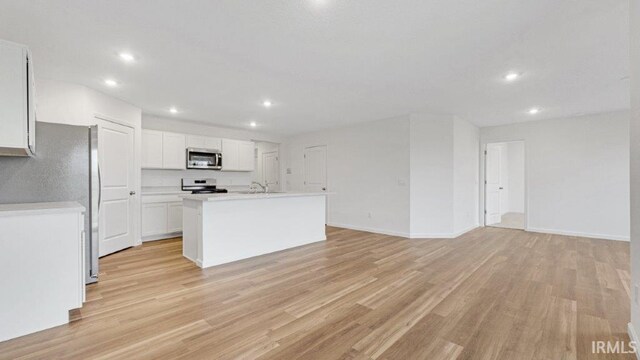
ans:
(256, 196)
(169, 190)
(40, 208)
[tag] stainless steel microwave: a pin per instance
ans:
(204, 159)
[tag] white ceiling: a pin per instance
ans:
(327, 63)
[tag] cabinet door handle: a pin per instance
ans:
(132, 193)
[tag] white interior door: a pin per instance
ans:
(492, 184)
(117, 185)
(315, 169)
(271, 169)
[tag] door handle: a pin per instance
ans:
(500, 188)
(324, 189)
(99, 188)
(132, 193)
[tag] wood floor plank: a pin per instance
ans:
(489, 294)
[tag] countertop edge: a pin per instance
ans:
(258, 196)
(40, 208)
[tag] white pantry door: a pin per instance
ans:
(271, 169)
(315, 172)
(315, 169)
(492, 184)
(117, 186)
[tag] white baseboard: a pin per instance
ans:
(577, 233)
(443, 235)
(634, 337)
(161, 237)
(405, 234)
(370, 229)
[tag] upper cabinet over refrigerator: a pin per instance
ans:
(17, 109)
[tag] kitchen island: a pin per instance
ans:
(222, 228)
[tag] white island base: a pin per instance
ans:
(223, 228)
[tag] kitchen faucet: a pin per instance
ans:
(265, 188)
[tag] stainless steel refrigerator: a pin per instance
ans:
(64, 168)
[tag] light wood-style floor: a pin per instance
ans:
(490, 294)
(511, 220)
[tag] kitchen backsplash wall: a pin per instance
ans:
(171, 178)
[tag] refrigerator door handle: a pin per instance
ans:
(96, 192)
(99, 189)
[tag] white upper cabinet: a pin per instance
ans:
(229, 155)
(238, 155)
(246, 156)
(173, 151)
(17, 110)
(165, 150)
(152, 149)
(195, 141)
(213, 143)
(204, 142)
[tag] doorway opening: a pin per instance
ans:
(267, 171)
(505, 185)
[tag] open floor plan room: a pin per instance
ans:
(320, 179)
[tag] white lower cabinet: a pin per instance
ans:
(154, 219)
(174, 217)
(161, 218)
(42, 266)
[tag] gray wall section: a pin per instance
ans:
(58, 172)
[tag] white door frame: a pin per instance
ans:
(137, 216)
(483, 182)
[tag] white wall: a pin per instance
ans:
(432, 179)
(61, 102)
(444, 176)
(577, 173)
(367, 171)
(417, 175)
(515, 176)
(635, 160)
(153, 122)
(466, 159)
(171, 178)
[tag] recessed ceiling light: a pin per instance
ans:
(534, 111)
(267, 103)
(253, 124)
(111, 82)
(126, 57)
(512, 76)
(173, 110)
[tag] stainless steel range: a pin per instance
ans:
(201, 186)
